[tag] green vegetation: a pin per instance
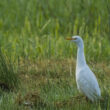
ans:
(8, 76)
(36, 57)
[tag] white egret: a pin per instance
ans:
(85, 78)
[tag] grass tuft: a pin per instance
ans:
(8, 77)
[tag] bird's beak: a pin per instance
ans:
(70, 38)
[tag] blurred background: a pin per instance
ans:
(37, 29)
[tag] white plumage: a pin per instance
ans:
(85, 78)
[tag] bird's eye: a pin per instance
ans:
(74, 38)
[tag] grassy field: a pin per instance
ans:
(37, 64)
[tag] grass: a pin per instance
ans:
(36, 57)
(52, 86)
(8, 76)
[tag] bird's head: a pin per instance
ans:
(77, 39)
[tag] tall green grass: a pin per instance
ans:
(37, 29)
(8, 76)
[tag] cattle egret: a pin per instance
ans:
(85, 78)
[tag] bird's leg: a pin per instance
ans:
(79, 97)
(86, 98)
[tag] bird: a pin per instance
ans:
(86, 80)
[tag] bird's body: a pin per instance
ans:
(85, 78)
(87, 83)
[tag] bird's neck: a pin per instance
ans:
(80, 57)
